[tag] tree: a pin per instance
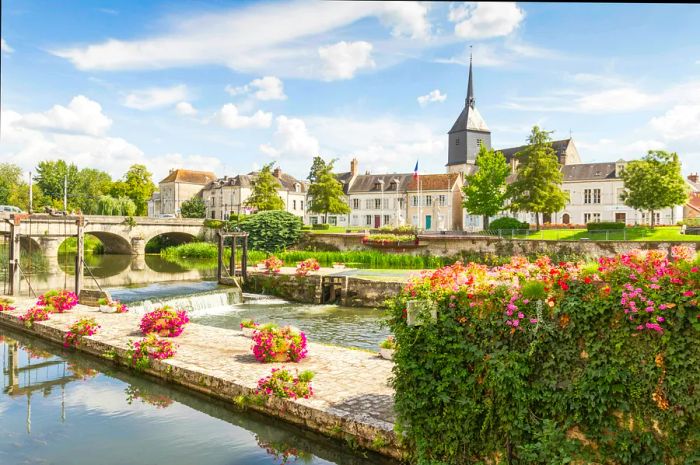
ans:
(485, 191)
(537, 187)
(264, 196)
(655, 182)
(10, 180)
(271, 231)
(326, 192)
(91, 184)
(50, 176)
(316, 167)
(193, 208)
(138, 186)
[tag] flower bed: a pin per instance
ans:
(112, 306)
(150, 348)
(272, 264)
(307, 266)
(58, 300)
(281, 383)
(34, 314)
(76, 331)
(6, 304)
(164, 321)
(271, 344)
(542, 362)
(391, 240)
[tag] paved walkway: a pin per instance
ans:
(351, 386)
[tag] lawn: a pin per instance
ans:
(638, 233)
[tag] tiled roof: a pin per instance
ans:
(694, 201)
(190, 176)
(370, 183)
(434, 182)
(559, 147)
(588, 171)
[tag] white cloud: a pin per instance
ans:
(508, 52)
(344, 59)
(265, 88)
(432, 96)
(81, 116)
(291, 139)
(156, 97)
(407, 19)
(185, 109)
(484, 20)
(622, 99)
(680, 122)
(5, 47)
(230, 117)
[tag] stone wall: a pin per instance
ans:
(367, 293)
(451, 245)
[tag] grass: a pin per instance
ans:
(637, 233)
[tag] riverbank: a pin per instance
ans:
(352, 399)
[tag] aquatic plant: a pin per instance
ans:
(76, 331)
(164, 321)
(34, 314)
(58, 300)
(282, 384)
(272, 344)
(307, 266)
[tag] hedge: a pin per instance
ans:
(552, 363)
(605, 226)
(507, 223)
(321, 226)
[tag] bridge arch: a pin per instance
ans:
(27, 244)
(113, 243)
(166, 239)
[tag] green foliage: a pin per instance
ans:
(14, 190)
(193, 208)
(272, 231)
(507, 223)
(214, 224)
(485, 191)
(50, 177)
(654, 182)
(264, 196)
(90, 185)
(137, 184)
(605, 226)
(326, 192)
(321, 226)
(537, 188)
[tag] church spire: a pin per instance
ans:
(469, 102)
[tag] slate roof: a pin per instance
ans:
(589, 171)
(471, 119)
(286, 181)
(190, 176)
(370, 183)
(434, 182)
(559, 147)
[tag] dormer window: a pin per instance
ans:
(297, 187)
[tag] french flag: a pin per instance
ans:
(415, 171)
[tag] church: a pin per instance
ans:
(594, 189)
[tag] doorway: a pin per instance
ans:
(428, 222)
(377, 221)
(566, 219)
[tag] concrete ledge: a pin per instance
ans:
(352, 400)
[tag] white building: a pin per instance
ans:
(177, 187)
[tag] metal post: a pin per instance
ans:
(220, 258)
(232, 263)
(13, 264)
(244, 258)
(31, 203)
(65, 193)
(79, 256)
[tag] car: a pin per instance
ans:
(10, 209)
(167, 215)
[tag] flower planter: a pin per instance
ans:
(338, 266)
(248, 332)
(387, 354)
(109, 308)
(261, 267)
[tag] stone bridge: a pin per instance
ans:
(118, 234)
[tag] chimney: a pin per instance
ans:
(354, 166)
(277, 173)
(693, 177)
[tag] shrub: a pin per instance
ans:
(388, 343)
(164, 321)
(282, 384)
(271, 231)
(507, 223)
(542, 362)
(58, 300)
(214, 224)
(272, 344)
(321, 226)
(388, 239)
(79, 329)
(193, 208)
(306, 227)
(604, 226)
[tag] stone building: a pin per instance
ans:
(177, 187)
(437, 204)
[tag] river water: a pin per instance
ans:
(62, 408)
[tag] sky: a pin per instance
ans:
(228, 86)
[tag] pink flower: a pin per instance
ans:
(689, 293)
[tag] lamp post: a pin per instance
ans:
(381, 202)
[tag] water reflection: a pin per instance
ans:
(70, 409)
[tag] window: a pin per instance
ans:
(442, 200)
(314, 220)
(301, 205)
(398, 203)
(586, 197)
(368, 204)
(457, 141)
(355, 220)
(294, 204)
(333, 220)
(386, 219)
(591, 196)
(596, 195)
(414, 200)
(620, 194)
(591, 217)
(368, 220)
(428, 200)
(479, 142)
(377, 204)
(355, 203)
(386, 204)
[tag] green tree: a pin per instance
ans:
(193, 208)
(271, 231)
(264, 196)
(92, 184)
(10, 180)
(537, 188)
(50, 176)
(107, 205)
(485, 191)
(655, 182)
(139, 187)
(326, 192)
(316, 167)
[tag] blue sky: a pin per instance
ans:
(228, 86)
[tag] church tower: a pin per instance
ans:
(468, 133)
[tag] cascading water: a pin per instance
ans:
(209, 303)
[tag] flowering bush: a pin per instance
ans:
(308, 265)
(390, 239)
(271, 344)
(6, 304)
(150, 348)
(388, 343)
(58, 300)
(76, 331)
(282, 384)
(115, 304)
(543, 362)
(248, 324)
(164, 321)
(34, 314)
(273, 264)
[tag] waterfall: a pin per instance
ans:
(262, 299)
(216, 302)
